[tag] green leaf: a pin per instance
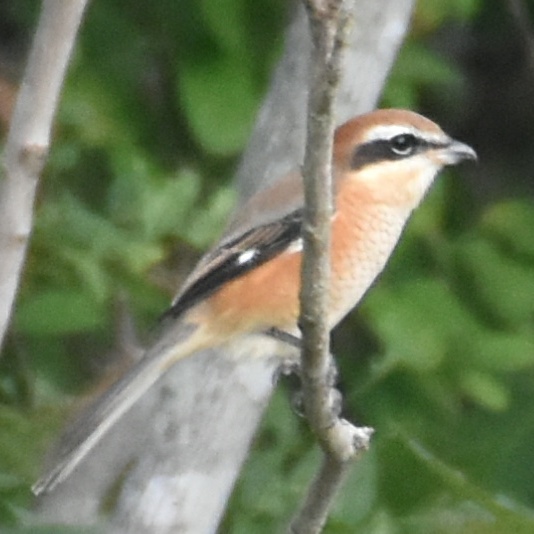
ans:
(485, 390)
(467, 507)
(512, 223)
(209, 220)
(22, 442)
(353, 506)
(227, 21)
(60, 311)
(152, 205)
(502, 284)
(74, 229)
(432, 14)
(220, 97)
(417, 68)
(417, 322)
(502, 351)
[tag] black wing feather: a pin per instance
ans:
(223, 265)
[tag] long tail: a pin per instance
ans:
(100, 416)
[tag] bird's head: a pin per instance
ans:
(395, 154)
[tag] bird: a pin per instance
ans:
(383, 163)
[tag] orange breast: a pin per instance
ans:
(364, 234)
(260, 299)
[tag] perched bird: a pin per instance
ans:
(383, 163)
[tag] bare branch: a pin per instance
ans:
(314, 511)
(341, 441)
(328, 27)
(29, 139)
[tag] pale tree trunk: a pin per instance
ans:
(28, 140)
(186, 441)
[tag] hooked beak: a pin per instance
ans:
(455, 152)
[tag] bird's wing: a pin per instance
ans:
(235, 257)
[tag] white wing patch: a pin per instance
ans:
(294, 246)
(247, 256)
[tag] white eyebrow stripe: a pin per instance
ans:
(391, 130)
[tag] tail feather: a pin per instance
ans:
(100, 416)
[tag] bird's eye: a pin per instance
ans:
(403, 144)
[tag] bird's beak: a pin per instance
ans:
(455, 152)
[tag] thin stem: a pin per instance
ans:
(29, 139)
(328, 26)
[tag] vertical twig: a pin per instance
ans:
(328, 23)
(314, 511)
(341, 442)
(29, 139)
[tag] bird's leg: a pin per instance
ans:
(292, 366)
(285, 337)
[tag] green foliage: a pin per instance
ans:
(22, 444)
(230, 101)
(432, 14)
(416, 71)
(439, 359)
(448, 390)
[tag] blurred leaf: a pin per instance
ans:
(171, 206)
(473, 509)
(502, 351)
(226, 19)
(210, 220)
(381, 523)
(486, 390)
(60, 311)
(22, 444)
(89, 107)
(512, 222)
(353, 505)
(154, 206)
(503, 285)
(431, 14)
(12, 498)
(417, 322)
(91, 244)
(220, 99)
(462, 518)
(417, 68)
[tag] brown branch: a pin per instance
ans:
(380, 28)
(29, 139)
(329, 21)
(322, 491)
